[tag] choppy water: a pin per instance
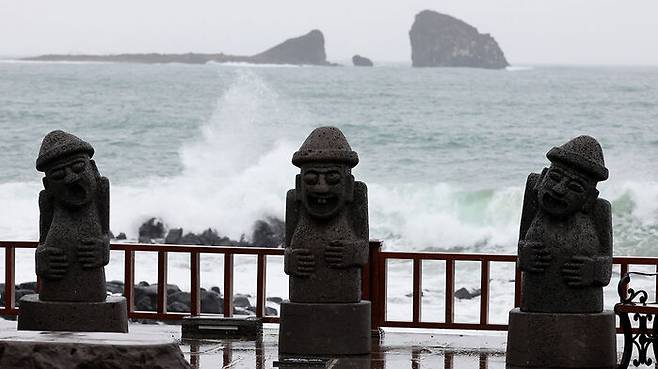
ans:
(445, 152)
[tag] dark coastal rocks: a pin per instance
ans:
(465, 294)
(268, 232)
(439, 40)
(152, 229)
(174, 236)
(306, 49)
(145, 295)
(361, 61)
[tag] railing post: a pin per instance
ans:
(129, 279)
(517, 284)
(228, 285)
(623, 269)
(195, 284)
(417, 289)
(162, 283)
(10, 282)
(260, 285)
(484, 292)
(450, 290)
(376, 287)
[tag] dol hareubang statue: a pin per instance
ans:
(565, 258)
(74, 243)
(565, 242)
(326, 246)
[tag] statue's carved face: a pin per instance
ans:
(72, 180)
(563, 191)
(323, 189)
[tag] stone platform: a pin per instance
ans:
(315, 329)
(78, 350)
(107, 316)
(561, 340)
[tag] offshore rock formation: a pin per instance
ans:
(306, 49)
(439, 40)
(361, 61)
(303, 50)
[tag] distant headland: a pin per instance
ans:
(303, 50)
(437, 40)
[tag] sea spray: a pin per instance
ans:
(235, 172)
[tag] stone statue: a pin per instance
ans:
(565, 242)
(565, 258)
(326, 246)
(74, 242)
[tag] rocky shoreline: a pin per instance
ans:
(178, 301)
(267, 232)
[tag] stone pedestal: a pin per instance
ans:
(110, 315)
(325, 329)
(57, 350)
(550, 340)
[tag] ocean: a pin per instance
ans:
(445, 152)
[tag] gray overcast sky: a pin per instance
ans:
(529, 31)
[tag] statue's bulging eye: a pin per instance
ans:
(332, 178)
(57, 174)
(78, 167)
(576, 187)
(310, 178)
(555, 176)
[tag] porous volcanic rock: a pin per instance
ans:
(361, 61)
(440, 40)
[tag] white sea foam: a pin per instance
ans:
(256, 65)
(518, 68)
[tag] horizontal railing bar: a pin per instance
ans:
(446, 256)
(439, 325)
(154, 247)
(4, 311)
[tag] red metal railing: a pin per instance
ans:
(374, 281)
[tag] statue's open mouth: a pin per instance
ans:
(77, 193)
(553, 203)
(322, 203)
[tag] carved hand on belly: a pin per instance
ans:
(534, 256)
(94, 252)
(336, 253)
(299, 262)
(52, 263)
(579, 272)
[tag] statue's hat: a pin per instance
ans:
(325, 145)
(584, 153)
(57, 144)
